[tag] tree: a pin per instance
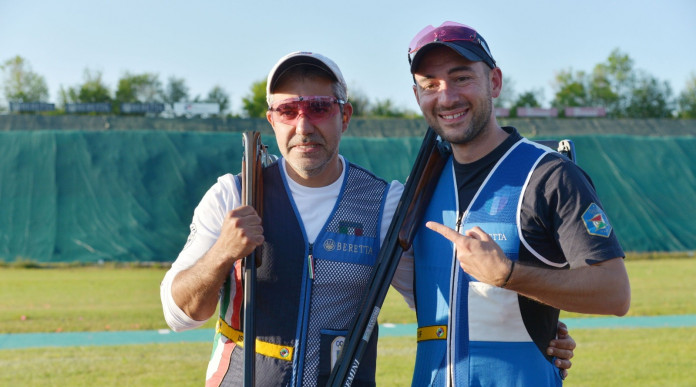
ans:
(612, 82)
(649, 98)
(254, 104)
(21, 83)
(92, 90)
(527, 99)
(616, 86)
(607, 86)
(602, 93)
(218, 95)
(175, 91)
(362, 107)
(571, 90)
(359, 101)
(687, 99)
(144, 88)
(66, 96)
(386, 109)
(507, 93)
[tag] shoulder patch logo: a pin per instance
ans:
(596, 221)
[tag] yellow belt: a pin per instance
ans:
(434, 332)
(281, 352)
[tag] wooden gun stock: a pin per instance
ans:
(254, 159)
(423, 192)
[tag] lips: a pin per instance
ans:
(453, 114)
(305, 146)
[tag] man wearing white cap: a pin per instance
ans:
(323, 222)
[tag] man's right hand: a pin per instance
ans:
(196, 289)
(240, 234)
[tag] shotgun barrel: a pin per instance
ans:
(417, 192)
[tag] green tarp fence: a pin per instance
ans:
(129, 195)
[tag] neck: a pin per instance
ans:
(326, 175)
(480, 146)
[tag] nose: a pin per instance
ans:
(448, 94)
(303, 126)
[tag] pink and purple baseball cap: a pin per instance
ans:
(458, 37)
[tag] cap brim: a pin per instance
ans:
(467, 53)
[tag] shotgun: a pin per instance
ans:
(418, 190)
(254, 159)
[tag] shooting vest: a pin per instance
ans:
(307, 294)
(471, 333)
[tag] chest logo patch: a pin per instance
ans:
(496, 205)
(350, 228)
(329, 245)
(596, 221)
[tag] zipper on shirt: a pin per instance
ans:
(298, 373)
(310, 262)
(458, 225)
(450, 321)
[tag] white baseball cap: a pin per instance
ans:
(302, 58)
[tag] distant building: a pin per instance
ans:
(536, 112)
(95, 107)
(190, 109)
(585, 111)
(142, 108)
(502, 112)
(31, 107)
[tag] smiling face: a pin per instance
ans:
(456, 95)
(310, 148)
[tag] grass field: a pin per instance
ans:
(109, 298)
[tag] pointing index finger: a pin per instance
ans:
(443, 230)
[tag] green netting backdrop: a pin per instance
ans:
(129, 195)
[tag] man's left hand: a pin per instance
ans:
(477, 253)
(562, 348)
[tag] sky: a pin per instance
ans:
(233, 44)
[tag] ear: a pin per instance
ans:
(269, 117)
(347, 114)
(415, 92)
(495, 76)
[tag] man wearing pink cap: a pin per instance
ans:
(323, 222)
(514, 231)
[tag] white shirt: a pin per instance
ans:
(313, 204)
